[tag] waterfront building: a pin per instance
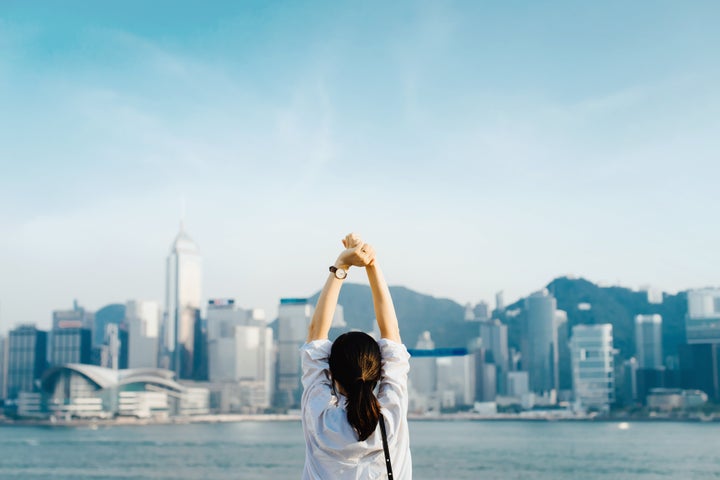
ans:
(294, 315)
(90, 391)
(486, 373)
(518, 384)
(423, 375)
(702, 323)
(143, 321)
(541, 356)
(240, 353)
(592, 361)
(669, 399)
(626, 383)
(3, 367)
(564, 358)
(27, 359)
(183, 291)
(494, 336)
(700, 368)
(648, 341)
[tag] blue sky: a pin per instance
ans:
(479, 145)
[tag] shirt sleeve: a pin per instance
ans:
(316, 384)
(393, 391)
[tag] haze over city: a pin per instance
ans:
(478, 147)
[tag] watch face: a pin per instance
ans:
(340, 273)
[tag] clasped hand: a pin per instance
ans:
(356, 253)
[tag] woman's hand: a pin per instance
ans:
(356, 253)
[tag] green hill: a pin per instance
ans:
(444, 318)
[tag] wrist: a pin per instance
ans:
(339, 264)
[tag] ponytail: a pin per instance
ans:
(363, 409)
(355, 363)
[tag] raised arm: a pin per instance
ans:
(384, 309)
(356, 253)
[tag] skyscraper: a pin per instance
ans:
(143, 321)
(591, 347)
(541, 358)
(702, 324)
(494, 337)
(294, 316)
(3, 366)
(27, 359)
(183, 289)
(71, 345)
(564, 358)
(648, 341)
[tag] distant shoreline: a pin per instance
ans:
(237, 418)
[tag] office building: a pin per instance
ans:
(542, 353)
(423, 374)
(183, 290)
(27, 359)
(648, 341)
(71, 345)
(143, 321)
(702, 323)
(499, 302)
(3, 367)
(240, 353)
(700, 368)
(494, 336)
(78, 317)
(591, 348)
(518, 384)
(481, 311)
(113, 314)
(294, 315)
(564, 358)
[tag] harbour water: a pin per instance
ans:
(441, 450)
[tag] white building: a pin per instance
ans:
(183, 290)
(456, 380)
(591, 348)
(294, 316)
(143, 321)
(240, 352)
(702, 324)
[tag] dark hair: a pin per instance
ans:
(355, 363)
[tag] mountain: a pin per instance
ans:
(416, 313)
(444, 318)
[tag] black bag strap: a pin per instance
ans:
(385, 447)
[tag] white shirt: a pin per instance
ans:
(333, 451)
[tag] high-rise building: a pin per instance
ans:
(423, 371)
(499, 301)
(143, 321)
(183, 290)
(564, 358)
(494, 335)
(702, 323)
(113, 314)
(648, 341)
(593, 368)
(27, 359)
(541, 358)
(3, 367)
(294, 315)
(700, 368)
(71, 345)
(481, 311)
(78, 317)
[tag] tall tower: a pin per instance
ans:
(542, 353)
(183, 289)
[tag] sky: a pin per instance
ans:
(479, 146)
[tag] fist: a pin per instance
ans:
(352, 240)
(361, 255)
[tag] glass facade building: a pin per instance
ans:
(27, 359)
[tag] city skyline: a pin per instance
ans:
(478, 147)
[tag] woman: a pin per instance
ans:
(341, 415)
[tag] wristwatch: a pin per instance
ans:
(340, 273)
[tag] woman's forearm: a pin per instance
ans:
(382, 301)
(325, 309)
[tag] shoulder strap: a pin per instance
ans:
(385, 447)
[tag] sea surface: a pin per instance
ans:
(441, 450)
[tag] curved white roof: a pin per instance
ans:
(105, 378)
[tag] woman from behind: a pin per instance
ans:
(343, 418)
